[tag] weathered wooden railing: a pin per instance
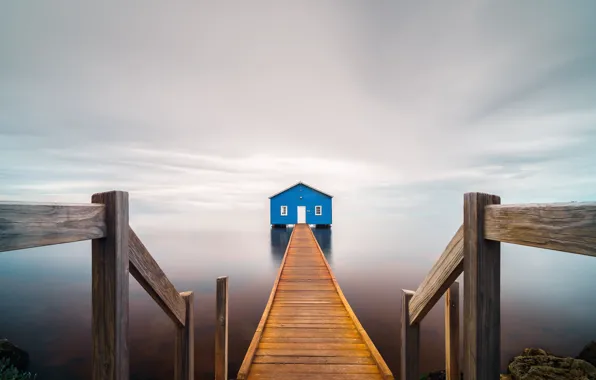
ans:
(475, 250)
(115, 249)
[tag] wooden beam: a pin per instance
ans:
(221, 329)
(452, 332)
(28, 225)
(184, 354)
(110, 290)
(444, 271)
(482, 292)
(410, 341)
(250, 353)
(567, 227)
(149, 275)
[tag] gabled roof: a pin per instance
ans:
(304, 184)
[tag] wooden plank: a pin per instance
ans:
(309, 320)
(444, 271)
(109, 290)
(149, 275)
(221, 329)
(385, 371)
(316, 376)
(482, 292)
(410, 341)
(28, 225)
(452, 332)
(314, 368)
(184, 354)
(314, 360)
(310, 325)
(316, 339)
(303, 332)
(358, 353)
(245, 366)
(311, 346)
(567, 227)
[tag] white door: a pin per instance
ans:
(301, 214)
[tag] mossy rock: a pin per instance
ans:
(537, 364)
(588, 353)
(17, 357)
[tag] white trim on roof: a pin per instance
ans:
(301, 183)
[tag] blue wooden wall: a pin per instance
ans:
(301, 195)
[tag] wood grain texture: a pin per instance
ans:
(482, 292)
(567, 227)
(184, 351)
(149, 275)
(221, 329)
(28, 225)
(410, 341)
(452, 332)
(445, 270)
(246, 363)
(110, 290)
(310, 330)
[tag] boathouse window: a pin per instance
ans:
(284, 210)
(318, 210)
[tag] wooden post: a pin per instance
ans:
(184, 351)
(452, 332)
(482, 292)
(410, 340)
(109, 290)
(221, 330)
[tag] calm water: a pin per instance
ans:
(45, 296)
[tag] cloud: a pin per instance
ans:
(204, 108)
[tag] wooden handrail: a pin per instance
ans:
(116, 252)
(410, 340)
(184, 351)
(109, 291)
(567, 227)
(221, 329)
(452, 332)
(482, 292)
(29, 225)
(443, 273)
(149, 275)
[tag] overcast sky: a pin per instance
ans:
(202, 109)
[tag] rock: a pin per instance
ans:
(17, 357)
(534, 352)
(539, 365)
(588, 353)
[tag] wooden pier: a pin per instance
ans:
(308, 330)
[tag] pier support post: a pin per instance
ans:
(221, 329)
(482, 292)
(410, 341)
(452, 332)
(184, 364)
(109, 290)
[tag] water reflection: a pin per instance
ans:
(279, 241)
(279, 238)
(323, 236)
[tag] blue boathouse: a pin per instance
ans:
(301, 203)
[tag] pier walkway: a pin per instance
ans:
(308, 330)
